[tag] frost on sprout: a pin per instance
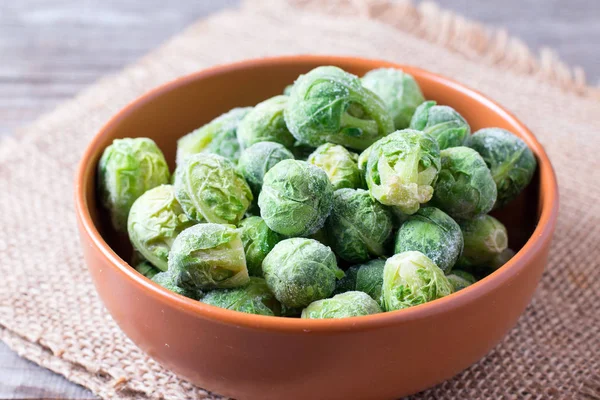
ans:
(348, 304)
(460, 279)
(259, 158)
(402, 168)
(300, 271)
(485, 239)
(339, 164)
(511, 162)
(155, 220)
(296, 198)
(127, 169)
(210, 189)
(330, 105)
(433, 233)
(258, 240)
(253, 298)
(398, 90)
(443, 123)
(358, 226)
(265, 123)
(465, 187)
(208, 256)
(219, 136)
(410, 279)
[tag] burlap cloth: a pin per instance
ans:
(50, 313)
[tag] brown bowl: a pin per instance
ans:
(248, 356)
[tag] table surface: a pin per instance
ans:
(50, 50)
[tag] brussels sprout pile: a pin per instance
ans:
(342, 197)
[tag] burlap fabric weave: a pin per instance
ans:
(50, 314)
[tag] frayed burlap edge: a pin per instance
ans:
(473, 40)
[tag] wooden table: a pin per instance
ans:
(50, 50)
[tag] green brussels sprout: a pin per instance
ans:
(443, 123)
(155, 220)
(339, 164)
(254, 298)
(126, 170)
(343, 305)
(300, 271)
(166, 280)
(369, 279)
(460, 279)
(502, 258)
(145, 268)
(358, 226)
(209, 188)
(296, 198)
(465, 187)
(258, 241)
(219, 136)
(208, 256)
(257, 159)
(432, 232)
(402, 169)
(348, 282)
(410, 279)
(510, 160)
(398, 90)
(331, 105)
(265, 123)
(485, 238)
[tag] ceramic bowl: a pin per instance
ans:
(246, 356)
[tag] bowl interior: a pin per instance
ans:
(169, 112)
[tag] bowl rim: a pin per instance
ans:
(541, 234)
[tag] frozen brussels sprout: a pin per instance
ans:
(460, 279)
(331, 105)
(254, 298)
(432, 232)
(258, 240)
(510, 160)
(367, 278)
(265, 123)
(410, 279)
(126, 170)
(502, 258)
(296, 198)
(208, 256)
(145, 268)
(443, 123)
(358, 227)
(218, 137)
(402, 169)
(339, 164)
(465, 187)
(155, 220)
(348, 282)
(348, 304)
(300, 271)
(485, 238)
(209, 188)
(166, 280)
(398, 90)
(257, 159)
